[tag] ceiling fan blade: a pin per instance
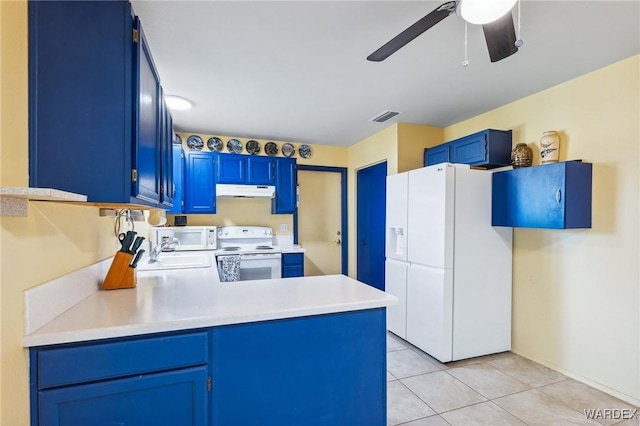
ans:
(500, 36)
(413, 31)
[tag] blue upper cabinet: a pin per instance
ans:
(199, 188)
(436, 155)
(230, 168)
(147, 121)
(168, 186)
(489, 148)
(178, 179)
(245, 170)
(286, 185)
(260, 170)
(556, 196)
(94, 103)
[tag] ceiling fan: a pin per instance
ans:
(493, 15)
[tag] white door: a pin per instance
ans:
(396, 216)
(396, 285)
(319, 222)
(430, 310)
(430, 216)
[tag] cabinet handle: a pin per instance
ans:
(558, 195)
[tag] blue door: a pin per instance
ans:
(371, 194)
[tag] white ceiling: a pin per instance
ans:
(296, 71)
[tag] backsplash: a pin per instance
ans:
(242, 212)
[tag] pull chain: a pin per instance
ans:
(466, 60)
(519, 41)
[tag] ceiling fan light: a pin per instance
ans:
(481, 12)
(177, 103)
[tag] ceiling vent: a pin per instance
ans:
(387, 115)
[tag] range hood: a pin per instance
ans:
(245, 191)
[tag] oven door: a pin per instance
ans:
(260, 266)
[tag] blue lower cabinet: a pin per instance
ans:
(321, 370)
(148, 380)
(555, 196)
(292, 265)
(171, 398)
(318, 370)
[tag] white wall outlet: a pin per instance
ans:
(284, 227)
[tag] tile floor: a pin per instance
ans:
(501, 389)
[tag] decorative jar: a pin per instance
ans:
(521, 156)
(549, 147)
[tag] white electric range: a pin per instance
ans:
(259, 259)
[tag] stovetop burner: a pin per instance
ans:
(264, 248)
(231, 249)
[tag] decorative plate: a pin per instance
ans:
(304, 151)
(195, 142)
(215, 144)
(253, 147)
(271, 149)
(288, 150)
(177, 139)
(235, 146)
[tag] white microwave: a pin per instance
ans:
(185, 237)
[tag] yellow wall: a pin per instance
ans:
(412, 140)
(52, 241)
(576, 293)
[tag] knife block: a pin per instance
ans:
(120, 274)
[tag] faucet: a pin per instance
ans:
(155, 252)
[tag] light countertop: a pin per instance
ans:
(194, 298)
(291, 249)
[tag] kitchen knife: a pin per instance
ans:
(137, 259)
(136, 245)
(126, 242)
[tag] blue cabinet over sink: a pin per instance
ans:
(489, 148)
(97, 122)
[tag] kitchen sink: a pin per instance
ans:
(186, 261)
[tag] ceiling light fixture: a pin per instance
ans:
(481, 12)
(177, 103)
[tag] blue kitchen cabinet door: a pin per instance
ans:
(318, 370)
(178, 179)
(436, 155)
(292, 265)
(230, 168)
(167, 188)
(555, 196)
(491, 148)
(147, 121)
(200, 189)
(260, 170)
(285, 201)
(101, 91)
(171, 398)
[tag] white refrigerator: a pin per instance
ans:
(449, 268)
